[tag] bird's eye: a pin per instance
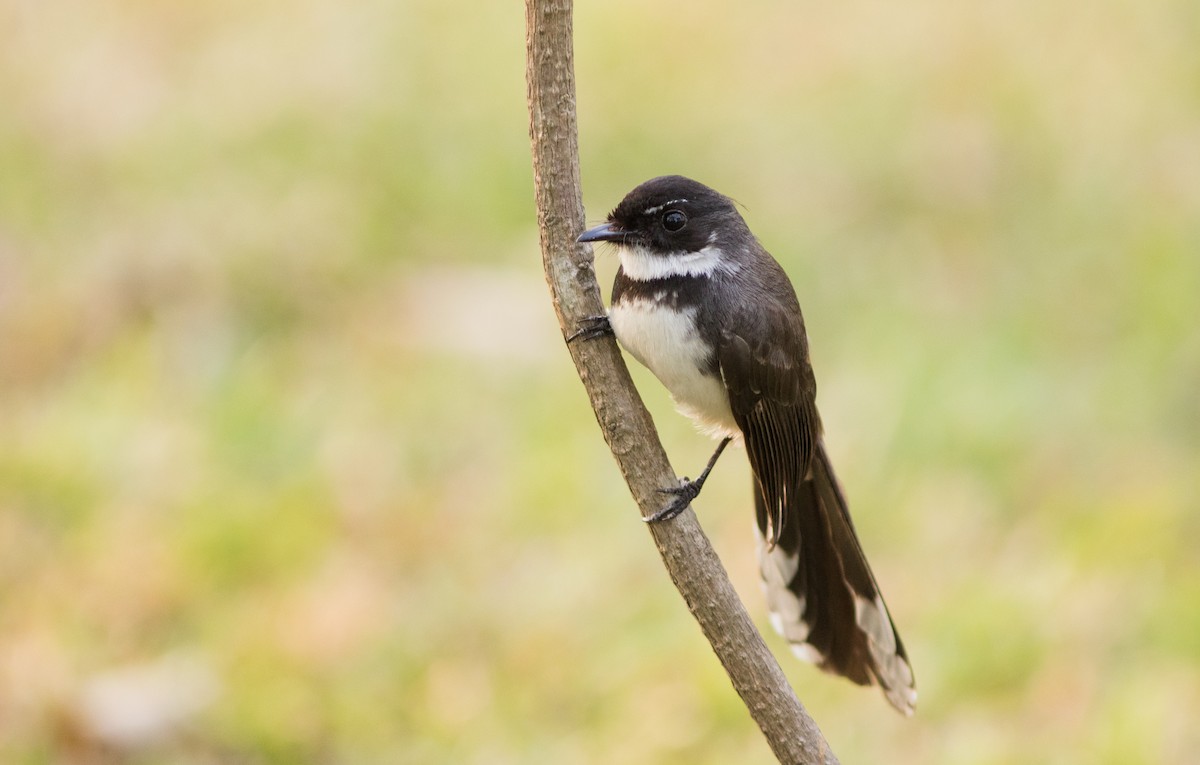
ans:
(673, 220)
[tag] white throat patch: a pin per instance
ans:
(641, 265)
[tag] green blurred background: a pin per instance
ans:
(294, 467)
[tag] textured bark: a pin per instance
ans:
(686, 552)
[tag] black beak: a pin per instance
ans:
(605, 232)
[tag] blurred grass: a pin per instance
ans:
(281, 393)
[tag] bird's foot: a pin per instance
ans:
(591, 327)
(682, 496)
(687, 490)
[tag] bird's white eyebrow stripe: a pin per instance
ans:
(658, 208)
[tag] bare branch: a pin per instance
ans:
(627, 426)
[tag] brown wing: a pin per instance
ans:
(772, 395)
(820, 589)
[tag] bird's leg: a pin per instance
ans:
(591, 327)
(687, 490)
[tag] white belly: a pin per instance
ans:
(666, 342)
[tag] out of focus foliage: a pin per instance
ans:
(293, 467)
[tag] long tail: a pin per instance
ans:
(821, 594)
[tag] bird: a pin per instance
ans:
(700, 302)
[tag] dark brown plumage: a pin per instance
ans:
(700, 302)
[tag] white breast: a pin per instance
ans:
(667, 343)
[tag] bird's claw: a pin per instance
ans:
(683, 494)
(591, 327)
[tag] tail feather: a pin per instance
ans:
(821, 593)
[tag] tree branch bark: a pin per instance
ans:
(689, 558)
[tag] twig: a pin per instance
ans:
(627, 426)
